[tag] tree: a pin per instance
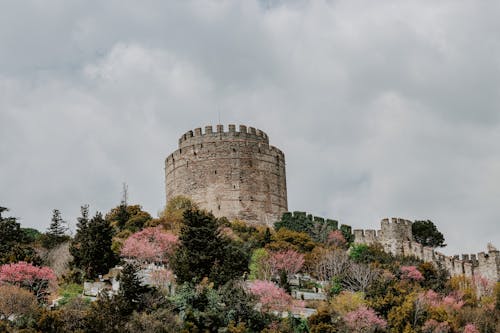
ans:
(172, 216)
(411, 273)
(364, 320)
(128, 217)
(91, 247)
(131, 289)
(56, 233)
(150, 245)
(25, 275)
(427, 234)
(204, 252)
(16, 301)
(10, 235)
(270, 296)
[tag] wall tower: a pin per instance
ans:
(235, 174)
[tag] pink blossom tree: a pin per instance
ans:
(411, 273)
(470, 328)
(271, 297)
(288, 261)
(363, 320)
(336, 239)
(434, 326)
(150, 245)
(38, 280)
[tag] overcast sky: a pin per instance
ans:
(382, 108)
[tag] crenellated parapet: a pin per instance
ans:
(396, 238)
(199, 135)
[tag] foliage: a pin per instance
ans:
(204, 308)
(172, 217)
(15, 301)
(128, 217)
(69, 292)
(56, 233)
(347, 301)
(150, 245)
(285, 239)
(427, 234)
(14, 242)
(91, 247)
(260, 268)
(131, 289)
(204, 252)
(25, 275)
(316, 227)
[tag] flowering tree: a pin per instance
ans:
(470, 328)
(411, 273)
(364, 320)
(288, 261)
(270, 296)
(336, 239)
(434, 326)
(25, 275)
(150, 245)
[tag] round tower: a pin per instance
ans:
(235, 174)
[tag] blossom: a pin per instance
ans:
(271, 297)
(411, 273)
(289, 261)
(364, 319)
(25, 275)
(151, 245)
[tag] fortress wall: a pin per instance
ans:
(396, 238)
(235, 174)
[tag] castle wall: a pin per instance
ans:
(235, 174)
(396, 238)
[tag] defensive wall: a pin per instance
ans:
(233, 173)
(395, 236)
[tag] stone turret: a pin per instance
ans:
(233, 173)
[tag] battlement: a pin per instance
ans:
(396, 238)
(209, 133)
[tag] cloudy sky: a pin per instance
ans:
(383, 108)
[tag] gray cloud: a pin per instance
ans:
(383, 108)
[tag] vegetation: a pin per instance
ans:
(206, 274)
(427, 234)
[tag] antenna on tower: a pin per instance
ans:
(124, 194)
(218, 115)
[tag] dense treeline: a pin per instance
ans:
(206, 274)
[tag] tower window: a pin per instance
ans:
(215, 172)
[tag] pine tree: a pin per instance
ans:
(132, 288)
(204, 252)
(56, 233)
(91, 247)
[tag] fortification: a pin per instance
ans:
(235, 174)
(396, 238)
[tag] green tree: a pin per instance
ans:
(14, 245)
(132, 288)
(128, 217)
(205, 252)
(427, 234)
(91, 247)
(56, 233)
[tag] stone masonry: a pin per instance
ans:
(395, 236)
(235, 174)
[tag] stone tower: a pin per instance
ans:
(235, 174)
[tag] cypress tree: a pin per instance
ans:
(56, 233)
(91, 247)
